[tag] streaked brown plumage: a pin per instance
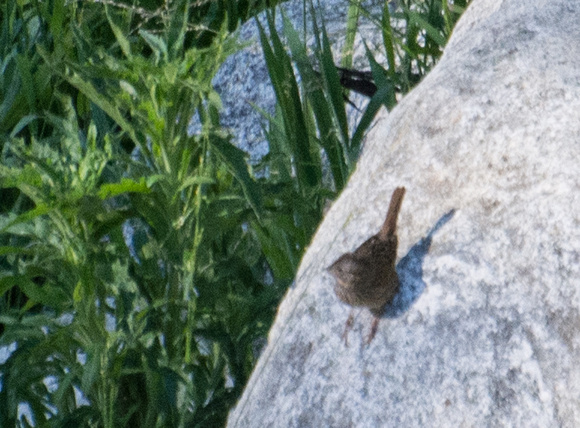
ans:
(367, 276)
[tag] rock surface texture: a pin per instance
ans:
(485, 330)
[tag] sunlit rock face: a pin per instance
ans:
(485, 330)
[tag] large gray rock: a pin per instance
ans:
(486, 328)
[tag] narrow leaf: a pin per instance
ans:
(125, 186)
(235, 159)
(27, 216)
(121, 39)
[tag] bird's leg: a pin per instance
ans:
(374, 328)
(348, 326)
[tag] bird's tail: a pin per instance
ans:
(390, 225)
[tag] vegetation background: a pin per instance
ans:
(141, 264)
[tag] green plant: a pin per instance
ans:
(312, 115)
(160, 332)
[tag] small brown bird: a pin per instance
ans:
(367, 276)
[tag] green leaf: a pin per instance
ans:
(46, 295)
(195, 180)
(353, 13)
(278, 251)
(126, 185)
(388, 40)
(5, 250)
(155, 43)
(178, 28)
(234, 158)
(57, 18)
(431, 31)
(119, 35)
(28, 86)
(385, 95)
(289, 102)
(96, 97)
(27, 216)
(23, 123)
(10, 96)
(92, 367)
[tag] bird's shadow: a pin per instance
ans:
(410, 272)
